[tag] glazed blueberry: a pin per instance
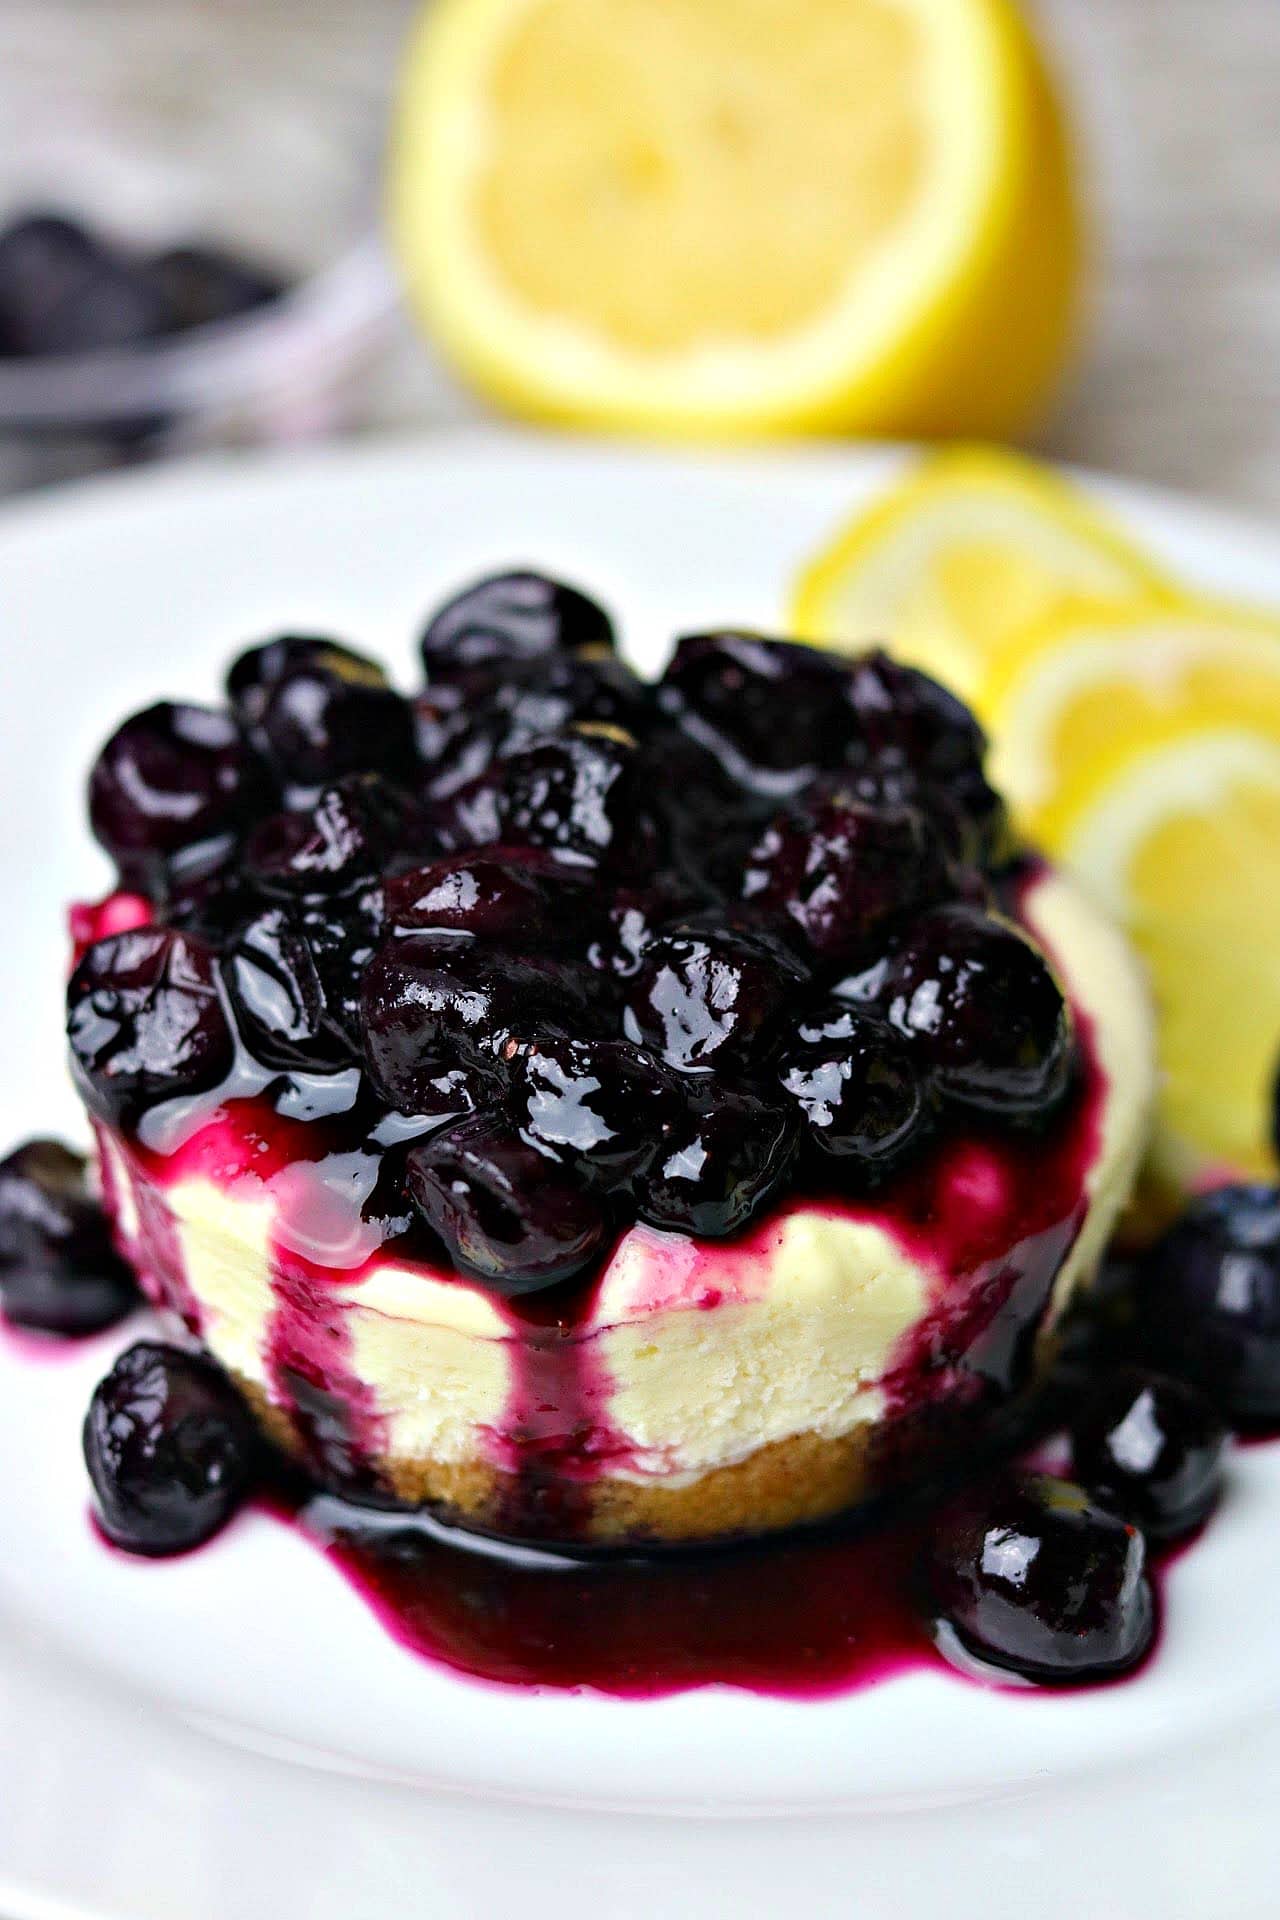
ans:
(341, 842)
(906, 719)
(428, 1006)
(568, 691)
(600, 1105)
(511, 618)
(146, 1022)
(1208, 1301)
(981, 1008)
(504, 1211)
(916, 743)
(723, 1162)
(254, 674)
(1151, 1448)
(171, 792)
(332, 714)
(1030, 1575)
(477, 894)
(277, 996)
(837, 870)
(574, 796)
(343, 936)
(170, 1447)
(58, 1269)
(759, 706)
(633, 918)
(856, 1085)
(703, 999)
(200, 285)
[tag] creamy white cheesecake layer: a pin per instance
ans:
(698, 1354)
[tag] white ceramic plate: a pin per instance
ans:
(235, 1734)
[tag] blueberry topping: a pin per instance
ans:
(979, 1005)
(1031, 1576)
(506, 1212)
(838, 869)
(1151, 1448)
(857, 1087)
(171, 793)
(58, 1269)
(146, 1022)
(1208, 1301)
(510, 618)
(724, 1161)
(170, 1447)
(604, 1105)
(704, 999)
(679, 948)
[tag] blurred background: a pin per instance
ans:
(263, 127)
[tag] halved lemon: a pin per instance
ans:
(739, 216)
(970, 549)
(1142, 748)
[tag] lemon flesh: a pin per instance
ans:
(736, 216)
(1141, 746)
(973, 547)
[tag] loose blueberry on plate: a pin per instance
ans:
(146, 1022)
(1031, 1576)
(58, 1269)
(1151, 1447)
(506, 1212)
(511, 618)
(1208, 1301)
(171, 793)
(980, 1005)
(170, 1447)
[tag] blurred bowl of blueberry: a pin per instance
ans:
(192, 341)
(189, 254)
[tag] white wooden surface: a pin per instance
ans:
(1177, 103)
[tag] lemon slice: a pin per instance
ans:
(972, 548)
(738, 216)
(1141, 747)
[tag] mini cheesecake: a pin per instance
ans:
(604, 1113)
